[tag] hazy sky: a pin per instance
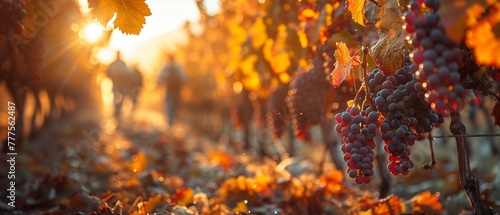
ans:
(166, 16)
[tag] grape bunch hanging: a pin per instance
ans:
(437, 56)
(12, 14)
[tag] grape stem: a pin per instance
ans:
(365, 77)
(433, 159)
(359, 93)
(469, 183)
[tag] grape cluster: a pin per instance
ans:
(438, 58)
(401, 100)
(11, 15)
(306, 100)
(33, 59)
(358, 127)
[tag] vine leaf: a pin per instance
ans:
(130, 14)
(496, 113)
(426, 203)
(343, 64)
(356, 8)
(387, 52)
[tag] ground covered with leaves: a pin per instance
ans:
(84, 166)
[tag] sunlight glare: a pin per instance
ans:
(93, 32)
(106, 56)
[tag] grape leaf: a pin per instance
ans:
(130, 14)
(356, 7)
(496, 113)
(387, 52)
(426, 203)
(343, 64)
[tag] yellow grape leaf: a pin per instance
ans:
(130, 14)
(388, 52)
(356, 8)
(343, 64)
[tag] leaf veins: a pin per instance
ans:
(130, 14)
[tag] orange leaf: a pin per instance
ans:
(343, 64)
(130, 14)
(332, 180)
(426, 203)
(241, 207)
(390, 205)
(184, 196)
(222, 159)
(357, 7)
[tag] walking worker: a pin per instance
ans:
(119, 75)
(135, 85)
(174, 77)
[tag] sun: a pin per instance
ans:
(93, 32)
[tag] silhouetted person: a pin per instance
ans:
(135, 85)
(174, 77)
(119, 75)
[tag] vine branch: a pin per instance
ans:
(433, 159)
(365, 77)
(468, 182)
